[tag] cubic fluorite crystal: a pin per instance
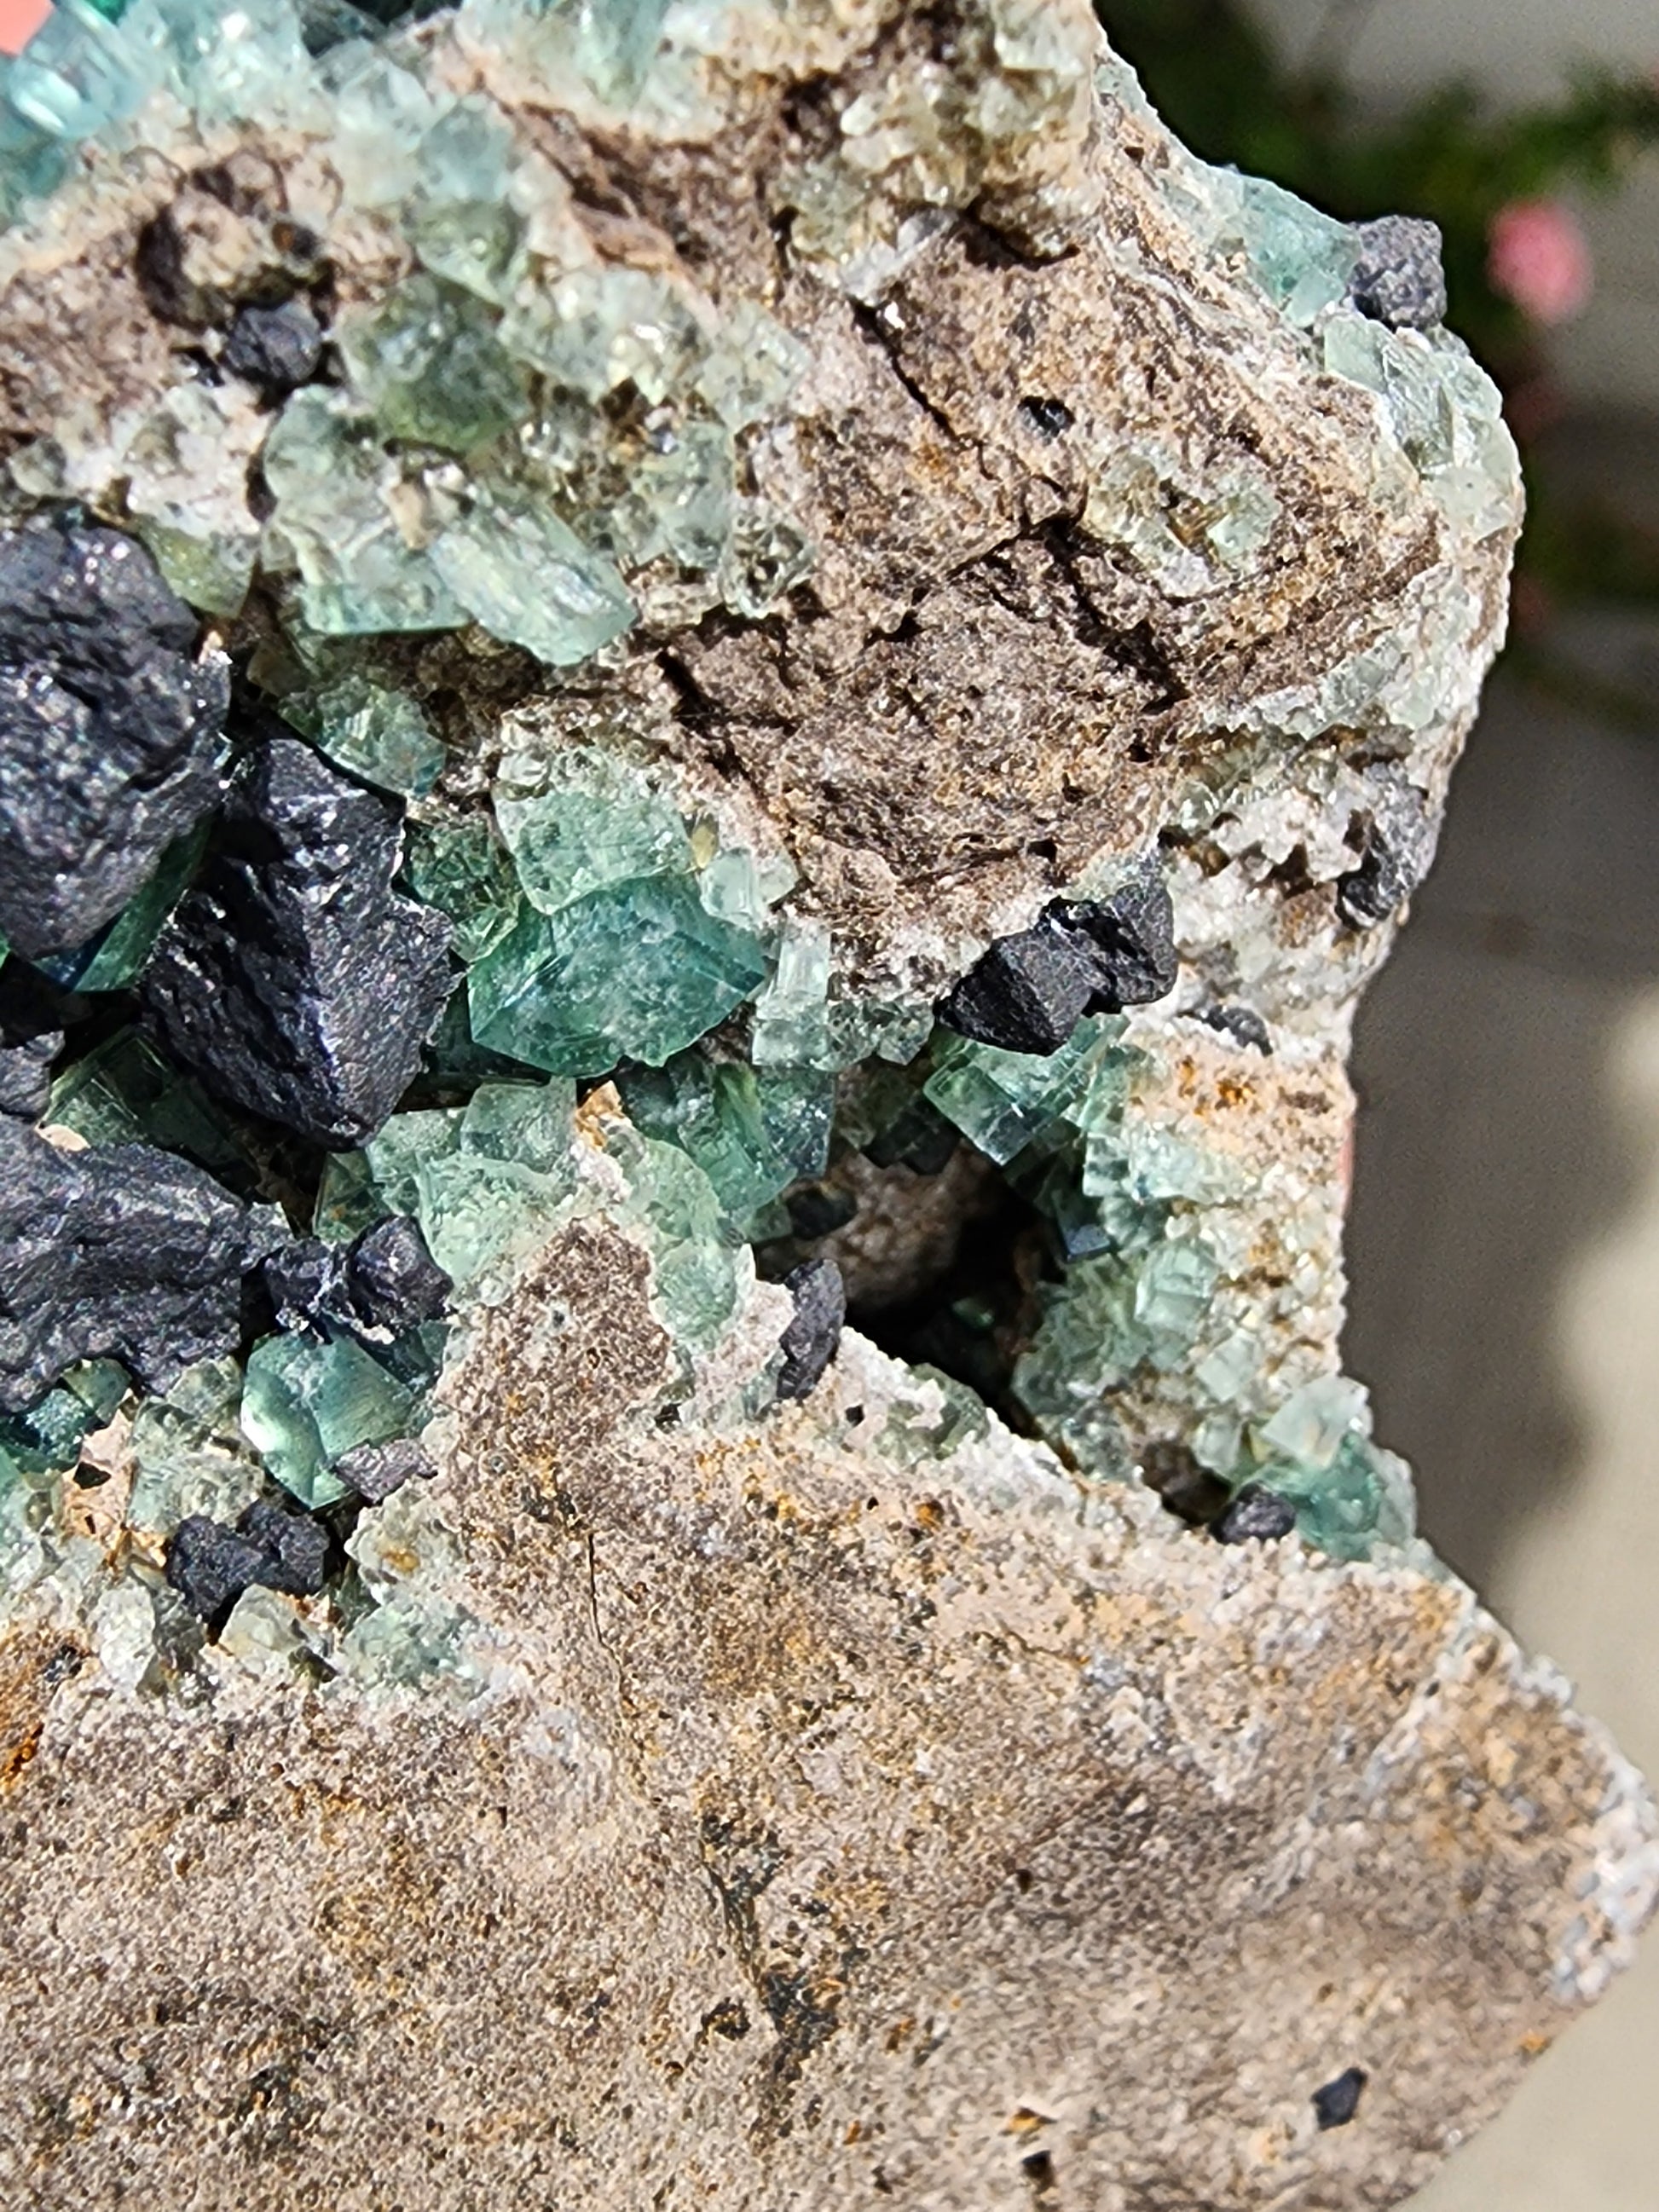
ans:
(706, 716)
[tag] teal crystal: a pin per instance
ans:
(523, 573)
(123, 1093)
(791, 1014)
(458, 864)
(1361, 1502)
(1001, 1101)
(47, 1438)
(752, 1131)
(372, 730)
(428, 362)
(113, 959)
(305, 1403)
(638, 971)
(580, 818)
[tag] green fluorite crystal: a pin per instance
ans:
(753, 1132)
(428, 362)
(1001, 1101)
(521, 571)
(189, 1453)
(580, 818)
(459, 865)
(636, 971)
(113, 959)
(335, 485)
(123, 1093)
(305, 1403)
(371, 729)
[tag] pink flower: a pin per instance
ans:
(1538, 257)
(19, 22)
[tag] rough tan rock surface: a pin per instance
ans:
(824, 1836)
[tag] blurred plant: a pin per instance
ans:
(1516, 261)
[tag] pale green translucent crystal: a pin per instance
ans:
(458, 864)
(930, 1418)
(636, 971)
(752, 369)
(189, 1453)
(305, 1403)
(599, 328)
(488, 1198)
(694, 1261)
(335, 485)
(526, 576)
(580, 819)
(791, 1014)
(79, 73)
(677, 502)
(461, 219)
(752, 1131)
(372, 730)
(428, 361)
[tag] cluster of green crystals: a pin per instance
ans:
(1157, 1296)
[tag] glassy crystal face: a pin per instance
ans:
(636, 971)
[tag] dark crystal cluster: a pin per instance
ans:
(1030, 990)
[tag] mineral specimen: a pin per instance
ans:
(814, 1331)
(1398, 276)
(845, 661)
(109, 730)
(125, 1252)
(292, 979)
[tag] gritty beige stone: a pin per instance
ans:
(825, 1836)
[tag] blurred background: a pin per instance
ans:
(1504, 1243)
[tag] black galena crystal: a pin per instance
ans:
(210, 1565)
(1396, 851)
(293, 980)
(109, 730)
(395, 1283)
(379, 1286)
(118, 1252)
(374, 1471)
(31, 1037)
(1399, 278)
(273, 349)
(294, 1547)
(1256, 1516)
(809, 1342)
(1028, 991)
(1336, 2105)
